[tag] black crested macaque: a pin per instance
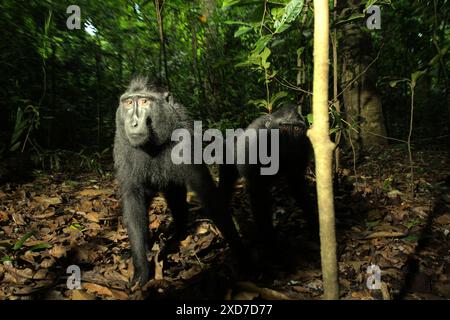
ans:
(294, 152)
(145, 120)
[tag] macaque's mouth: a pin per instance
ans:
(137, 135)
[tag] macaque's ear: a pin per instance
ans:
(166, 96)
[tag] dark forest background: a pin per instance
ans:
(227, 61)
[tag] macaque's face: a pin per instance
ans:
(135, 111)
(290, 125)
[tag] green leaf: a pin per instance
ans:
(416, 75)
(370, 3)
(15, 146)
(19, 244)
(78, 227)
(236, 22)
(229, 3)
(393, 83)
(354, 16)
(40, 246)
(310, 118)
(412, 238)
(371, 224)
(264, 55)
(261, 43)
(334, 130)
(6, 258)
(261, 103)
(242, 30)
(291, 12)
(278, 96)
(439, 56)
(412, 223)
(283, 28)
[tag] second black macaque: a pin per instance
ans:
(294, 152)
(145, 121)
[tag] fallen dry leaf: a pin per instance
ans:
(82, 295)
(384, 234)
(98, 289)
(48, 201)
(92, 216)
(444, 219)
(58, 251)
(18, 219)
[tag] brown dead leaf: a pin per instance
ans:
(115, 276)
(246, 295)
(444, 219)
(92, 216)
(18, 275)
(265, 293)
(158, 269)
(301, 289)
(203, 228)
(47, 263)
(362, 295)
(119, 295)
(28, 256)
(92, 193)
(4, 216)
(41, 274)
(385, 234)
(89, 253)
(50, 212)
(193, 271)
(82, 295)
(18, 219)
(114, 236)
(345, 283)
(98, 289)
(58, 251)
(185, 243)
(48, 201)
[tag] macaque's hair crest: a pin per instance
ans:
(138, 84)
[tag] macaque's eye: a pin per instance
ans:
(284, 128)
(128, 103)
(297, 129)
(143, 102)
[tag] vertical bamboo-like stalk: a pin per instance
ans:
(323, 150)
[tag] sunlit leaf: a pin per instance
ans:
(291, 12)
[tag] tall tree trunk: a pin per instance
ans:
(362, 102)
(323, 151)
(98, 96)
(336, 103)
(52, 112)
(212, 80)
(163, 53)
(195, 67)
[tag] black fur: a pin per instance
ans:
(142, 160)
(294, 153)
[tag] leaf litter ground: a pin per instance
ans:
(64, 219)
